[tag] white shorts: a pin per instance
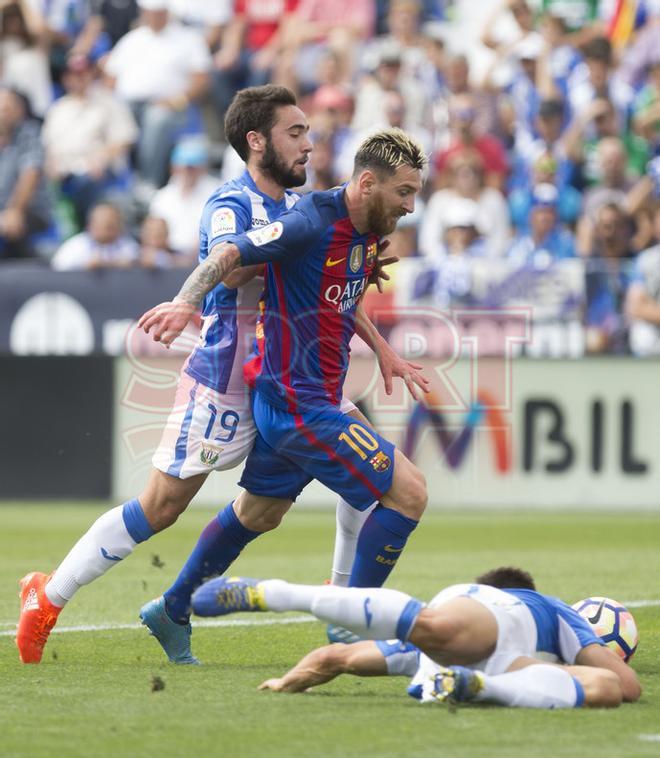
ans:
(208, 431)
(516, 629)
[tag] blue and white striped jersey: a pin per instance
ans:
(229, 315)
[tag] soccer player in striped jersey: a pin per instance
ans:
(210, 427)
(495, 640)
(321, 255)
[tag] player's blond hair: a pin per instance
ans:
(388, 149)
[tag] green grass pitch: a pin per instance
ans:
(93, 694)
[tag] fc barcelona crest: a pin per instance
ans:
(209, 453)
(356, 258)
(372, 250)
(380, 461)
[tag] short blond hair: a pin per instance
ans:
(388, 149)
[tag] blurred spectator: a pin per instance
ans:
(642, 303)
(71, 27)
(607, 280)
(102, 245)
(24, 201)
(509, 22)
(612, 233)
(562, 57)
(181, 201)
(320, 169)
(455, 80)
(466, 181)
(646, 108)
(465, 139)
(210, 18)
(316, 26)
(370, 97)
(159, 69)
(524, 91)
(87, 135)
(569, 200)
(404, 31)
(617, 188)
(597, 78)
(546, 141)
(547, 240)
(118, 17)
(462, 234)
(643, 53)
(597, 121)
(23, 56)
(155, 251)
(249, 49)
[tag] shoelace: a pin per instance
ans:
(234, 598)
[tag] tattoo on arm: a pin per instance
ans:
(222, 259)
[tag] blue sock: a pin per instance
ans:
(135, 521)
(217, 548)
(380, 542)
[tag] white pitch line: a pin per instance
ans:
(196, 624)
(10, 626)
(649, 737)
(642, 603)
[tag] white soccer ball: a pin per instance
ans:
(612, 622)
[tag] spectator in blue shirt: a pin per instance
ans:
(547, 240)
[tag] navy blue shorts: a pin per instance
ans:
(325, 444)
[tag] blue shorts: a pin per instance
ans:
(325, 444)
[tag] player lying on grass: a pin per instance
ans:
(211, 426)
(321, 255)
(487, 641)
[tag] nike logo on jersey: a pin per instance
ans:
(596, 617)
(109, 556)
(367, 613)
(332, 262)
(390, 549)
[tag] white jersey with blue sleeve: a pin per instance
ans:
(560, 630)
(229, 315)
(210, 427)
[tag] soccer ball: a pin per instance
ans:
(612, 622)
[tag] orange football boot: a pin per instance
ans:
(38, 617)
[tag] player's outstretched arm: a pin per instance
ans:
(391, 365)
(604, 658)
(325, 663)
(168, 320)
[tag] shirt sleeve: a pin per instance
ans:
(223, 218)
(291, 236)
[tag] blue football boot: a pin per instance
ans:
(174, 638)
(222, 596)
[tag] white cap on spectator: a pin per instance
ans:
(530, 47)
(461, 211)
(154, 5)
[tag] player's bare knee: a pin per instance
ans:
(414, 498)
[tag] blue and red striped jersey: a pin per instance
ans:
(229, 315)
(319, 267)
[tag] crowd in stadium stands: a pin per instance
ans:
(541, 119)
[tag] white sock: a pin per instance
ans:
(536, 686)
(376, 614)
(85, 561)
(349, 522)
